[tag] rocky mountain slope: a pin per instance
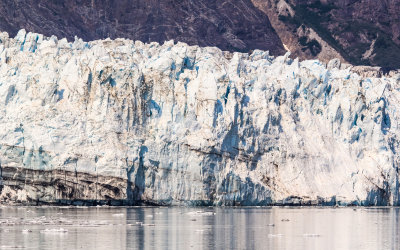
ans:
(230, 25)
(361, 32)
(133, 123)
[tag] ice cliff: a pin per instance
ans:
(134, 123)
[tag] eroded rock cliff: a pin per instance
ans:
(176, 124)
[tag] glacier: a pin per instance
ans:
(123, 122)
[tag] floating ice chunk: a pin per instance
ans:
(118, 215)
(311, 235)
(200, 213)
(275, 235)
(54, 231)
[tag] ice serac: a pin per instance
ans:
(134, 123)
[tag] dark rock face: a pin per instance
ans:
(64, 185)
(367, 31)
(363, 32)
(230, 25)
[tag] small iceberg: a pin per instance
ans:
(54, 231)
(275, 235)
(311, 235)
(118, 215)
(200, 213)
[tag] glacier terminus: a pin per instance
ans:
(130, 123)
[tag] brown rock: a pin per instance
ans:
(230, 25)
(359, 32)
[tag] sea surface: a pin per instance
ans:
(199, 228)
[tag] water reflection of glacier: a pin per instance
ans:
(199, 228)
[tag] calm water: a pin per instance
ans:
(199, 228)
